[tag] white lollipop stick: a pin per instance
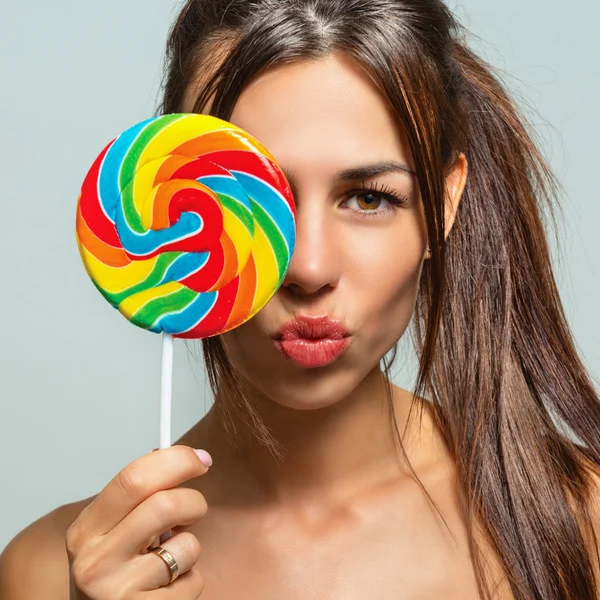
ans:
(166, 386)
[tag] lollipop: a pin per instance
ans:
(186, 224)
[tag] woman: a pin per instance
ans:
(420, 196)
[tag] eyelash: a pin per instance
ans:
(383, 192)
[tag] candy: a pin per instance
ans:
(186, 224)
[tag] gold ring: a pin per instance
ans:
(169, 560)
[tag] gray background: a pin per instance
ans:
(79, 386)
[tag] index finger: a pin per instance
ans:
(137, 481)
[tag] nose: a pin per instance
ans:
(315, 263)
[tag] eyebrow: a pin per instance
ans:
(362, 171)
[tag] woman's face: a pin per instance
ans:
(358, 256)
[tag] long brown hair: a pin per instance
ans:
(497, 360)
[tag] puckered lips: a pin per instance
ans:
(312, 342)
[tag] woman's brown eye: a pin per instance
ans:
(367, 201)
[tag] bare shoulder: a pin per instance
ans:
(35, 565)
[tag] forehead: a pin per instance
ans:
(326, 113)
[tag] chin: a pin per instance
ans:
(303, 389)
(318, 395)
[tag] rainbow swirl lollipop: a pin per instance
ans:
(186, 224)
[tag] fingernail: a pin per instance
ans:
(205, 457)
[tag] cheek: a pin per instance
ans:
(382, 287)
(249, 348)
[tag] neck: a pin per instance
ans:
(333, 451)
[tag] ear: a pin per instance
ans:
(455, 185)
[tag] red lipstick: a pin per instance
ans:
(312, 341)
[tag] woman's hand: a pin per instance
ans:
(108, 544)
